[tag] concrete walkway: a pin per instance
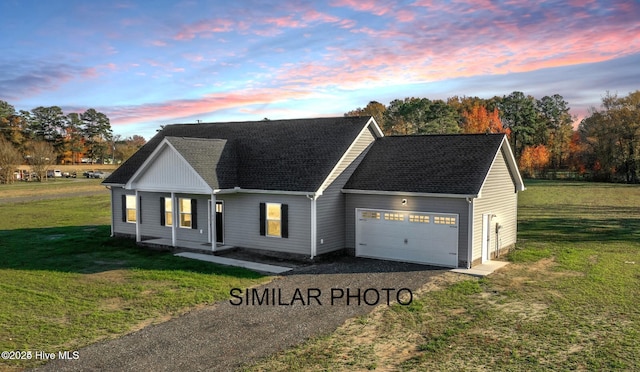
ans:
(483, 269)
(256, 266)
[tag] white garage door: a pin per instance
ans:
(429, 238)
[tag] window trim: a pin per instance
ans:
(127, 208)
(267, 219)
(181, 213)
(167, 218)
(284, 220)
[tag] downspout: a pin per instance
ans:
(314, 227)
(470, 233)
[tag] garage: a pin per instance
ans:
(421, 237)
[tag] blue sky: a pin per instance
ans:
(148, 63)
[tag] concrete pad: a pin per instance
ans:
(482, 269)
(271, 269)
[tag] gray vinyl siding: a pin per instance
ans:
(201, 234)
(150, 226)
(415, 204)
(242, 222)
(498, 196)
(330, 206)
(120, 227)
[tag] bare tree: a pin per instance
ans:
(41, 156)
(10, 158)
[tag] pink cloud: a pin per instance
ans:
(369, 6)
(405, 16)
(284, 22)
(208, 104)
(204, 28)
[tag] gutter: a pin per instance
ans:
(409, 193)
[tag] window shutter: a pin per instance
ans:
(263, 219)
(284, 220)
(140, 208)
(194, 213)
(124, 208)
(162, 212)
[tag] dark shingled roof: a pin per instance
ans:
(213, 159)
(440, 164)
(288, 155)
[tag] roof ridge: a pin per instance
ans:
(344, 118)
(442, 135)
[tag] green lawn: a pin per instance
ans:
(52, 186)
(64, 283)
(568, 301)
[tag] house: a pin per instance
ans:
(313, 186)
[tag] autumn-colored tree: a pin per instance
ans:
(533, 160)
(10, 158)
(125, 147)
(12, 126)
(612, 138)
(374, 108)
(555, 128)
(575, 159)
(478, 120)
(41, 156)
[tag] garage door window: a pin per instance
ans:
(441, 220)
(371, 215)
(394, 216)
(419, 218)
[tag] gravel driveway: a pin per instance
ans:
(222, 337)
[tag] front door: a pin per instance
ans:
(219, 222)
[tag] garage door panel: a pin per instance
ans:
(430, 238)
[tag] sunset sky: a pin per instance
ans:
(148, 63)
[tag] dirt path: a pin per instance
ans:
(222, 337)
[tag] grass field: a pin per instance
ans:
(568, 301)
(52, 188)
(64, 283)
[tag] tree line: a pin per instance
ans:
(605, 146)
(45, 136)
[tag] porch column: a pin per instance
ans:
(212, 219)
(137, 217)
(174, 209)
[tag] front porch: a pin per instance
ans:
(184, 244)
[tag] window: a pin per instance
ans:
(420, 218)
(130, 208)
(185, 209)
(441, 220)
(394, 216)
(371, 215)
(274, 221)
(168, 212)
